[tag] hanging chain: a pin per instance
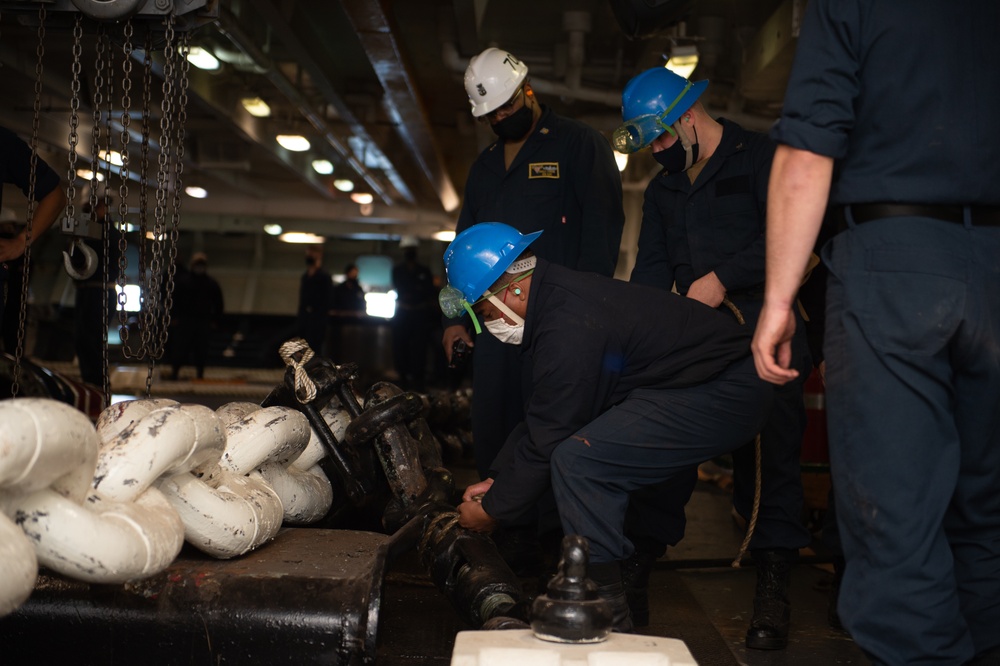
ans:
(152, 300)
(178, 188)
(162, 182)
(32, 181)
(70, 222)
(102, 221)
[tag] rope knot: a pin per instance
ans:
(296, 353)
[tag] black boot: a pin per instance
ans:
(608, 576)
(635, 577)
(771, 609)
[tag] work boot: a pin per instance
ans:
(608, 576)
(771, 609)
(635, 577)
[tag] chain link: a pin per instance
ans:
(70, 222)
(32, 204)
(105, 229)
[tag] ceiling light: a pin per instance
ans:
(272, 229)
(362, 198)
(343, 184)
(621, 159)
(294, 142)
(324, 167)
(256, 107)
(300, 237)
(113, 157)
(196, 192)
(683, 60)
(446, 236)
(202, 59)
(87, 174)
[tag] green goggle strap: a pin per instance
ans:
(475, 321)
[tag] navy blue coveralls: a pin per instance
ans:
(913, 314)
(564, 181)
(717, 224)
(15, 168)
(630, 386)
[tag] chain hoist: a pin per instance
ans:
(32, 205)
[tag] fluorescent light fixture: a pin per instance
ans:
(153, 237)
(324, 167)
(294, 142)
(362, 198)
(87, 174)
(380, 305)
(256, 107)
(446, 236)
(621, 159)
(300, 237)
(272, 229)
(132, 297)
(683, 60)
(196, 192)
(114, 157)
(202, 59)
(343, 184)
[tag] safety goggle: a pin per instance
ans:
(453, 303)
(641, 131)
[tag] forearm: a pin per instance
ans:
(797, 199)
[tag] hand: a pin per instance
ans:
(472, 516)
(708, 290)
(452, 333)
(476, 491)
(772, 345)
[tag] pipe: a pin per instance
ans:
(612, 98)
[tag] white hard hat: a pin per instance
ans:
(492, 78)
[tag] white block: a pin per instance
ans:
(521, 648)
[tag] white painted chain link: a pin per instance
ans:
(115, 502)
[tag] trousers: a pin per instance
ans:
(913, 383)
(651, 436)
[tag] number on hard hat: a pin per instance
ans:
(475, 260)
(492, 78)
(651, 102)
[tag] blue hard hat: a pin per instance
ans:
(651, 102)
(479, 255)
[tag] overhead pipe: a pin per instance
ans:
(454, 62)
(266, 11)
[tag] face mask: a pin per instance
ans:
(677, 158)
(515, 126)
(506, 333)
(310, 261)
